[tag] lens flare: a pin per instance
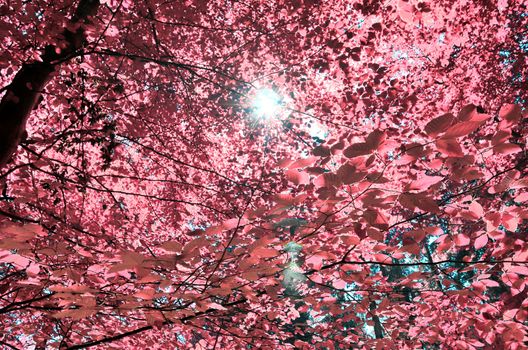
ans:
(266, 103)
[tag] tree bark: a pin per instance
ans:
(378, 328)
(23, 94)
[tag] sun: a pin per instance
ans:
(266, 104)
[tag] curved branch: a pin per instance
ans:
(24, 92)
(146, 328)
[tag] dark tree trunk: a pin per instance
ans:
(378, 328)
(22, 95)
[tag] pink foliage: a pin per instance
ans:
(146, 203)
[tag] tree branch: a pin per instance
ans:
(24, 92)
(146, 328)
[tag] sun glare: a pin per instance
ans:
(266, 103)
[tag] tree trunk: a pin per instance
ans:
(22, 95)
(378, 328)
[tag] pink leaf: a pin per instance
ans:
(297, 177)
(375, 139)
(357, 149)
(438, 125)
(461, 240)
(302, 163)
(510, 112)
(523, 197)
(449, 147)
(506, 148)
(519, 269)
(476, 209)
(316, 261)
(424, 182)
(521, 183)
(339, 284)
(481, 241)
(510, 222)
(18, 260)
(490, 283)
(216, 306)
(172, 246)
(382, 258)
(461, 129)
(348, 174)
(263, 252)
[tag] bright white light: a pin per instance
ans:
(266, 103)
(317, 130)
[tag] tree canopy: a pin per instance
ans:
(295, 174)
